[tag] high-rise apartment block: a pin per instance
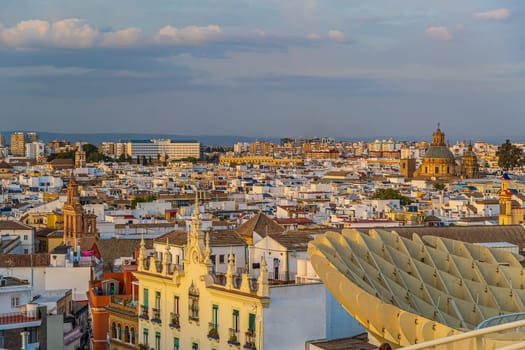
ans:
(19, 141)
(18, 144)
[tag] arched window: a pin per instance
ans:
(113, 330)
(119, 332)
(132, 335)
(126, 334)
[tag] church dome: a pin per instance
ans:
(439, 152)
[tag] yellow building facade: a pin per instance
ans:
(509, 214)
(186, 307)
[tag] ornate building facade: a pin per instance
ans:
(183, 308)
(439, 162)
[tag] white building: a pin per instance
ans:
(24, 232)
(165, 149)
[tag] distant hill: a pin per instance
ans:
(96, 138)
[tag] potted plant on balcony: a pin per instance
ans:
(213, 333)
(233, 340)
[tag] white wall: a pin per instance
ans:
(299, 313)
(74, 278)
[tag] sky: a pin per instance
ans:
(348, 69)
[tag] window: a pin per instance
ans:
(126, 335)
(215, 317)
(132, 335)
(15, 301)
(157, 300)
(221, 259)
(176, 343)
(119, 332)
(26, 237)
(193, 303)
(235, 321)
(26, 251)
(146, 297)
(436, 170)
(251, 322)
(113, 330)
(145, 336)
(157, 340)
(194, 346)
(176, 304)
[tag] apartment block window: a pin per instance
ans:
(156, 310)
(15, 301)
(176, 343)
(146, 297)
(221, 259)
(215, 316)
(176, 303)
(235, 321)
(157, 300)
(251, 322)
(145, 336)
(157, 340)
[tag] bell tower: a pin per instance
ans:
(77, 223)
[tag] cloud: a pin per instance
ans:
(494, 15)
(188, 35)
(313, 36)
(336, 35)
(73, 33)
(122, 38)
(439, 33)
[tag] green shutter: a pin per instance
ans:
(215, 315)
(176, 343)
(235, 312)
(146, 297)
(251, 322)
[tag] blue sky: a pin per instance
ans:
(342, 68)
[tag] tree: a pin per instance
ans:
(438, 186)
(390, 193)
(509, 156)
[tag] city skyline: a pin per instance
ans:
(348, 69)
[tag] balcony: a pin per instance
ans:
(234, 337)
(250, 340)
(213, 331)
(144, 312)
(124, 303)
(174, 320)
(15, 320)
(156, 315)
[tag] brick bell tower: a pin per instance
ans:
(79, 225)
